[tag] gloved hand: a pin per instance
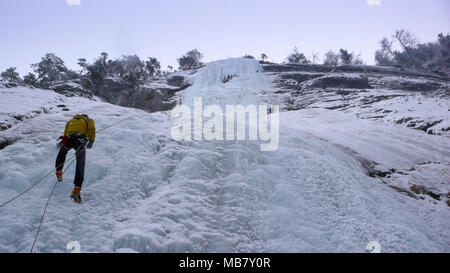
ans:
(89, 145)
(64, 139)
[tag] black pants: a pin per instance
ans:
(78, 144)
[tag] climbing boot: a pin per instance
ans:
(76, 196)
(59, 175)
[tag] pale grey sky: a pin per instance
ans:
(166, 29)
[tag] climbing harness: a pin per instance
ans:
(72, 160)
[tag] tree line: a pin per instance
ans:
(401, 49)
(433, 56)
(129, 68)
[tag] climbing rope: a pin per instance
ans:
(116, 123)
(48, 201)
(35, 184)
(42, 218)
(53, 170)
(73, 158)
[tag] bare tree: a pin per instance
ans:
(345, 56)
(83, 63)
(297, 57)
(263, 56)
(30, 79)
(192, 59)
(153, 66)
(331, 58)
(386, 46)
(104, 58)
(315, 57)
(51, 68)
(408, 41)
(357, 59)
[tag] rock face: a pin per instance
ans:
(72, 89)
(338, 81)
(410, 98)
(176, 80)
(151, 96)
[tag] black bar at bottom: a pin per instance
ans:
(229, 262)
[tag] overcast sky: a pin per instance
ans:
(166, 29)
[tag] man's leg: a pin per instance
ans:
(59, 164)
(79, 173)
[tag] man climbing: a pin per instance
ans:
(79, 134)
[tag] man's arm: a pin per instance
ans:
(91, 133)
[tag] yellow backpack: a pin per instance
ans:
(81, 124)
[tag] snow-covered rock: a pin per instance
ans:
(151, 96)
(321, 191)
(338, 81)
(71, 89)
(417, 100)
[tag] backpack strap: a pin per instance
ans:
(87, 121)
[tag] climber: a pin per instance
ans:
(79, 135)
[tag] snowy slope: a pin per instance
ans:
(145, 192)
(404, 98)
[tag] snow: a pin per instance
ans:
(419, 109)
(418, 158)
(145, 192)
(12, 102)
(243, 88)
(425, 109)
